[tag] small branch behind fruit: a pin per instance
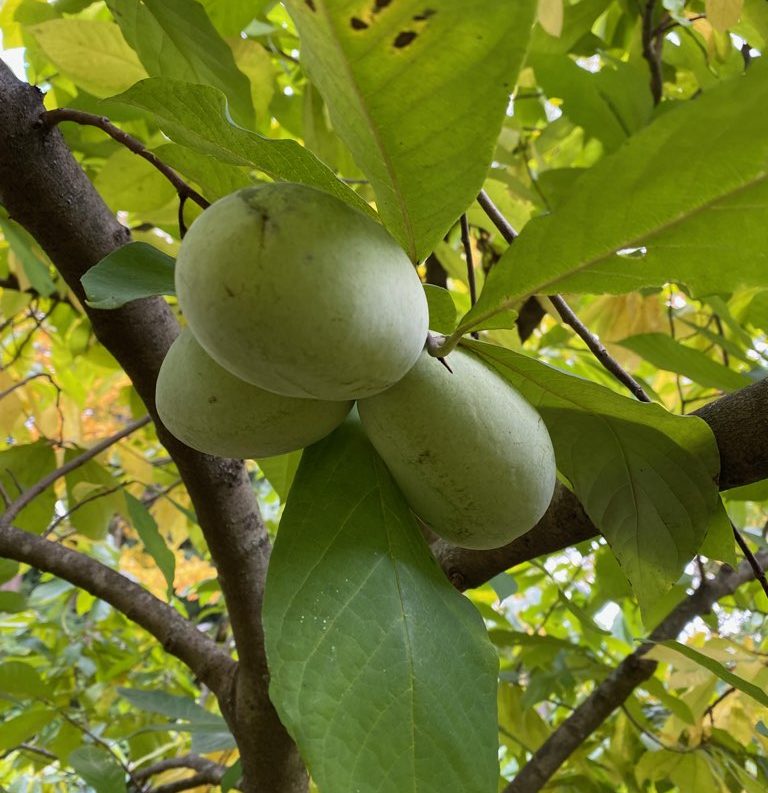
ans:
(440, 349)
(50, 118)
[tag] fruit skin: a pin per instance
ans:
(212, 411)
(472, 457)
(294, 291)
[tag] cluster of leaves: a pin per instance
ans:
(650, 217)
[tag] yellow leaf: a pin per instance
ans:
(724, 14)
(551, 16)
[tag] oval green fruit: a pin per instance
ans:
(472, 457)
(294, 291)
(214, 412)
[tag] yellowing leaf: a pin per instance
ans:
(551, 16)
(724, 14)
(93, 54)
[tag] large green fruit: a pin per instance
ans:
(472, 457)
(213, 411)
(294, 291)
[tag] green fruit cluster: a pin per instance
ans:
(297, 306)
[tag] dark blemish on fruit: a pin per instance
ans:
(212, 400)
(404, 38)
(378, 5)
(228, 291)
(424, 15)
(358, 24)
(311, 4)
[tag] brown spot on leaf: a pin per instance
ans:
(424, 15)
(378, 5)
(404, 38)
(311, 4)
(358, 24)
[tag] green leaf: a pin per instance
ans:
(91, 53)
(720, 544)
(175, 39)
(21, 467)
(723, 14)
(93, 482)
(660, 210)
(21, 680)
(12, 602)
(8, 570)
(666, 353)
(280, 471)
(232, 777)
(197, 116)
(233, 16)
(356, 611)
(418, 93)
(442, 309)
(36, 269)
(171, 705)
(99, 768)
(645, 477)
(129, 273)
(18, 729)
(153, 541)
(750, 689)
(130, 183)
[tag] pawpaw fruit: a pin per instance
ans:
(213, 411)
(293, 290)
(472, 457)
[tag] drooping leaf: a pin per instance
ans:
(92, 486)
(645, 476)
(280, 471)
(175, 39)
(356, 613)
(418, 94)
(442, 309)
(197, 116)
(750, 689)
(128, 273)
(667, 353)
(720, 543)
(100, 769)
(21, 467)
(17, 729)
(665, 206)
(92, 53)
(19, 679)
(153, 541)
(170, 705)
(36, 269)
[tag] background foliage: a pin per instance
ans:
(649, 216)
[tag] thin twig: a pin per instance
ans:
(750, 557)
(87, 500)
(569, 317)
(652, 44)
(43, 484)
(710, 711)
(51, 118)
(598, 348)
(467, 242)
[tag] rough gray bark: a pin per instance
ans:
(45, 190)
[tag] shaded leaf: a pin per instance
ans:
(418, 93)
(356, 612)
(197, 116)
(21, 680)
(645, 476)
(21, 467)
(153, 541)
(36, 269)
(175, 39)
(17, 729)
(128, 273)
(280, 471)
(442, 309)
(99, 769)
(666, 210)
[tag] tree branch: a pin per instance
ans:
(630, 673)
(45, 190)
(31, 493)
(652, 44)
(178, 636)
(193, 761)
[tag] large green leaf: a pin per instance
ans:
(129, 183)
(21, 467)
(356, 616)
(418, 93)
(152, 539)
(128, 273)
(93, 54)
(37, 270)
(666, 353)
(99, 769)
(18, 679)
(197, 116)
(18, 729)
(663, 208)
(175, 39)
(646, 477)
